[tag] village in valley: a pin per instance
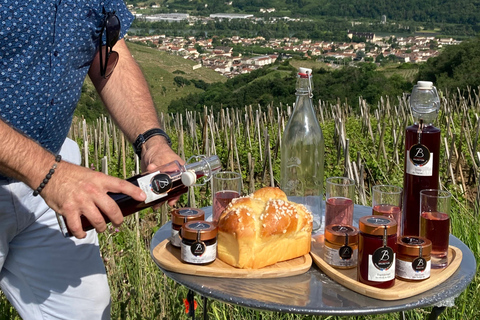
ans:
(222, 59)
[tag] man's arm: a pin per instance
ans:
(127, 98)
(72, 190)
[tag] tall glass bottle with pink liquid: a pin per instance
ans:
(422, 151)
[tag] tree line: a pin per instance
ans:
(322, 18)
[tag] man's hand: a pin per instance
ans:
(74, 191)
(155, 153)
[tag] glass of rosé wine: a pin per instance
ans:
(387, 201)
(435, 223)
(340, 195)
(226, 186)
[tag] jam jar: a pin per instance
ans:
(179, 218)
(413, 258)
(199, 242)
(341, 246)
(377, 246)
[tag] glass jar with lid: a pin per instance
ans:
(341, 246)
(199, 242)
(377, 247)
(413, 258)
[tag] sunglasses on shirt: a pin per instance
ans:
(109, 58)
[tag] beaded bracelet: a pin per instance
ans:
(42, 185)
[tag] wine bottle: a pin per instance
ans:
(422, 153)
(302, 152)
(169, 181)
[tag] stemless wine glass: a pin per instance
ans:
(340, 193)
(435, 223)
(226, 186)
(387, 201)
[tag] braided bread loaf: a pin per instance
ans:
(262, 229)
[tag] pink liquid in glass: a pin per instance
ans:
(435, 226)
(339, 211)
(221, 201)
(390, 211)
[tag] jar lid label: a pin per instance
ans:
(378, 220)
(199, 226)
(187, 212)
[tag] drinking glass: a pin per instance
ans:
(340, 193)
(387, 201)
(435, 223)
(226, 185)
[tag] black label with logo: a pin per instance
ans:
(345, 252)
(419, 154)
(419, 264)
(161, 183)
(383, 258)
(198, 248)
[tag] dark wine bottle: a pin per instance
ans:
(169, 181)
(422, 152)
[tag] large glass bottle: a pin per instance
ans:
(302, 152)
(422, 151)
(169, 181)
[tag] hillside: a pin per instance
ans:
(159, 69)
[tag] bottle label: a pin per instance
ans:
(341, 258)
(155, 185)
(419, 269)
(198, 253)
(419, 161)
(381, 265)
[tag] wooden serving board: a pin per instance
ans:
(401, 290)
(168, 257)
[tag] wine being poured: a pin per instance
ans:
(169, 181)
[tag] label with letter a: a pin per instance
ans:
(155, 185)
(419, 161)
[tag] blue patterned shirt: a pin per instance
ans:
(46, 48)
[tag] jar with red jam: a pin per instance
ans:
(413, 258)
(179, 218)
(377, 247)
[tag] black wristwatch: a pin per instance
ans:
(142, 138)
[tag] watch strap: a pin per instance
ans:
(143, 137)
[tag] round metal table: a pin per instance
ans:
(313, 292)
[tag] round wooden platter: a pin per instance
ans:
(401, 290)
(168, 257)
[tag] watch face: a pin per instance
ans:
(161, 183)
